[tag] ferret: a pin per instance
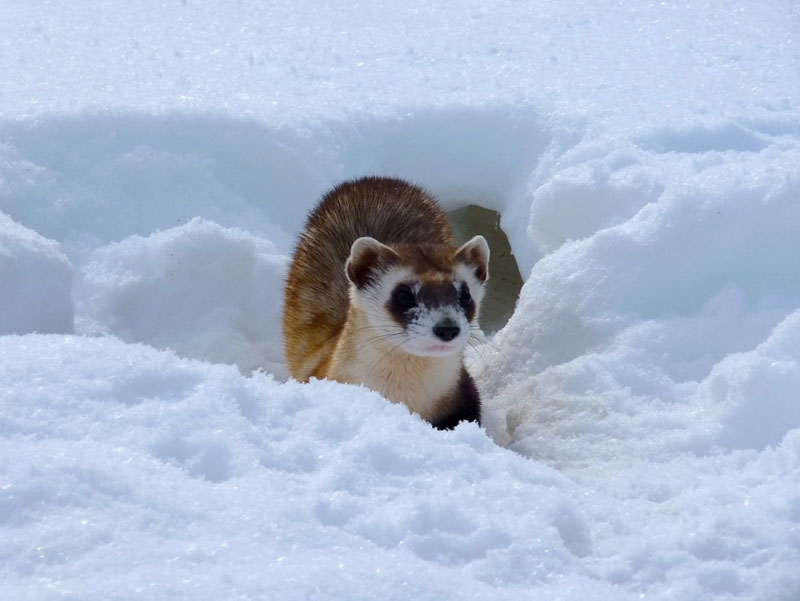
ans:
(379, 295)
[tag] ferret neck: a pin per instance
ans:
(419, 382)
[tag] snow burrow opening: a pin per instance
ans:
(505, 280)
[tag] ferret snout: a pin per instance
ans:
(446, 329)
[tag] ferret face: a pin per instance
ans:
(423, 299)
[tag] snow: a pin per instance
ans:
(641, 430)
(37, 280)
(159, 289)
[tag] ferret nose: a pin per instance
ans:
(446, 330)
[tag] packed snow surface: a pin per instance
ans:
(641, 424)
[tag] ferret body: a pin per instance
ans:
(378, 294)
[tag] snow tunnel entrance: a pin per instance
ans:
(505, 281)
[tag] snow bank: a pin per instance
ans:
(689, 266)
(128, 471)
(204, 291)
(618, 64)
(172, 478)
(92, 179)
(756, 393)
(35, 282)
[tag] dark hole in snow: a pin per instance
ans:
(505, 281)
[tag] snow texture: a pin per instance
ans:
(641, 434)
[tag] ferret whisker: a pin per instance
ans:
(387, 354)
(478, 348)
(372, 341)
(483, 341)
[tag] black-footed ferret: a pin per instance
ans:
(379, 295)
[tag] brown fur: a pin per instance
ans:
(325, 331)
(388, 210)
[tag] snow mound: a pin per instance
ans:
(640, 300)
(35, 282)
(205, 291)
(756, 393)
(174, 477)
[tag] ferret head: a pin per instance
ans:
(421, 298)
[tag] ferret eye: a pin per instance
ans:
(403, 298)
(464, 297)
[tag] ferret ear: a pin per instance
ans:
(475, 255)
(367, 259)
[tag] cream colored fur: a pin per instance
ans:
(365, 357)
